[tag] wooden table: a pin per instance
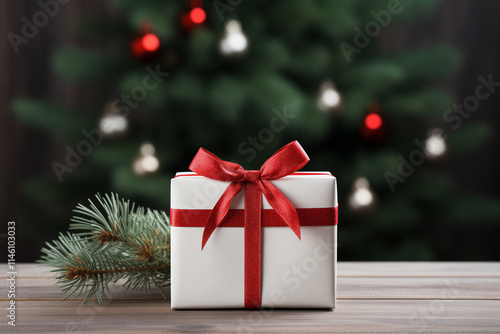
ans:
(374, 297)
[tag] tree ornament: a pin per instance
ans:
(113, 124)
(329, 98)
(234, 42)
(145, 46)
(194, 16)
(374, 127)
(146, 162)
(361, 198)
(435, 147)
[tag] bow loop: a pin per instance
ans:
(290, 158)
(209, 165)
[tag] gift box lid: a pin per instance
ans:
(303, 189)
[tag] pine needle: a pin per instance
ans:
(112, 241)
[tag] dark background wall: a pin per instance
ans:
(472, 26)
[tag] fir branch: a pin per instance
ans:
(115, 240)
(85, 273)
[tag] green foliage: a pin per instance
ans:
(377, 76)
(111, 242)
(129, 183)
(466, 208)
(269, 90)
(84, 65)
(429, 64)
(469, 138)
(426, 102)
(64, 123)
(159, 14)
(227, 95)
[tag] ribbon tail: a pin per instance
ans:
(253, 245)
(281, 205)
(220, 210)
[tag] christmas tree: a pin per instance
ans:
(242, 79)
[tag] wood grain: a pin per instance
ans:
(348, 288)
(365, 269)
(351, 316)
(374, 297)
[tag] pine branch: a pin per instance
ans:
(115, 241)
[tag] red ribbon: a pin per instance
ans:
(287, 160)
(236, 217)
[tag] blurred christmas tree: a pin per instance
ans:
(243, 78)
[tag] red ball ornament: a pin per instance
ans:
(373, 121)
(197, 15)
(146, 47)
(194, 16)
(374, 127)
(150, 42)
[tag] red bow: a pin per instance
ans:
(287, 160)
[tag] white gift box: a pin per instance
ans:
(295, 273)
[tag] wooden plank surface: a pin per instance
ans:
(374, 297)
(349, 288)
(363, 269)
